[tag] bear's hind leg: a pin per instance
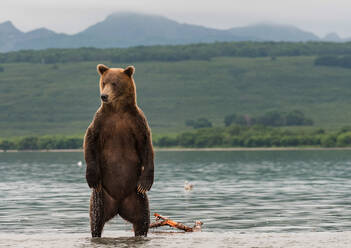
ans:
(96, 212)
(135, 209)
(102, 209)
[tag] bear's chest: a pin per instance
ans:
(115, 130)
(116, 140)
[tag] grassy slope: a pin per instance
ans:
(38, 99)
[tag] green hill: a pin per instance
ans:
(62, 98)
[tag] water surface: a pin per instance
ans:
(246, 199)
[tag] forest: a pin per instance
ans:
(231, 136)
(334, 60)
(201, 51)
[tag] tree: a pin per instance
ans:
(344, 139)
(189, 123)
(167, 141)
(345, 129)
(297, 118)
(235, 130)
(186, 139)
(327, 60)
(328, 140)
(199, 123)
(229, 119)
(343, 61)
(242, 120)
(6, 145)
(202, 123)
(208, 140)
(272, 118)
(28, 143)
(47, 143)
(289, 141)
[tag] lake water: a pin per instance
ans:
(245, 199)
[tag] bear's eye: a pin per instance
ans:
(103, 84)
(114, 84)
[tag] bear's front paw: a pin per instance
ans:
(93, 178)
(144, 184)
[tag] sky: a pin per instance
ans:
(71, 16)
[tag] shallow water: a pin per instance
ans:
(246, 199)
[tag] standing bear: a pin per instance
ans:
(119, 154)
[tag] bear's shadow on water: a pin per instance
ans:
(129, 241)
(119, 242)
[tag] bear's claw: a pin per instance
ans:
(144, 185)
(93, 185)
(141, 189)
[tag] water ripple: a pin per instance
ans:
(246, 192)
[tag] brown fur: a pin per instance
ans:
(119, 154)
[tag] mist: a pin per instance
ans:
(320, 17)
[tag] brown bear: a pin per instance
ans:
(119, 154)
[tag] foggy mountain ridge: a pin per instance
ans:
(133, 29)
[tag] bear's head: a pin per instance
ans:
(116, 85)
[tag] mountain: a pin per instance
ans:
(40, 39)
(120, 30)
(7, 28)
(269, 32)
(9, 34)
(132, 29)
(333, 37)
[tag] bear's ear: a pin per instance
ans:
(129, 70)
(101, 68)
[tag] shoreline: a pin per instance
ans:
(212, 149)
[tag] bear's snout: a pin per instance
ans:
(104, 97)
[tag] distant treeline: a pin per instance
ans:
(256, 136)
(332, 60)
(41, 143)
(178, 52)
(232, 136)
(271, 118)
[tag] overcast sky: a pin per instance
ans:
(70, 16)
